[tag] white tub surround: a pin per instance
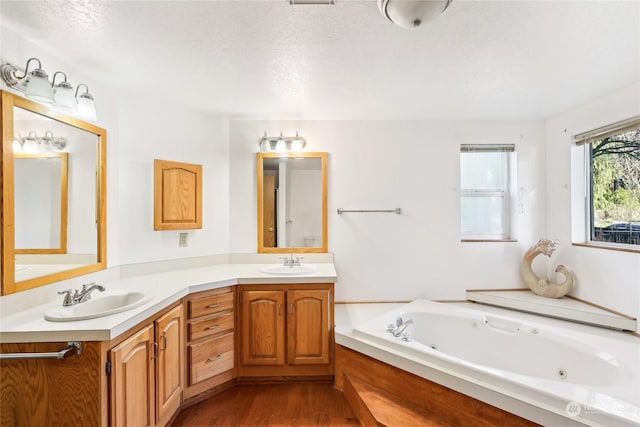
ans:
(567, 307)
(162, 289)
(539, 368)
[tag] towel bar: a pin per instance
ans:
(397, 211)
(71, 345)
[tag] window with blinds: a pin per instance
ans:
(485, 203)
(612, 165)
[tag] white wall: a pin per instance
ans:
(411, 165)
(149, 131)
(608, 278)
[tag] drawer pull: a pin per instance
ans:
(208, 328)
(213, 306)
(213, 359)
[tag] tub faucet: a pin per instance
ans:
(77, 297)
(401, 327)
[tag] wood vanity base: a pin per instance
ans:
(367, 380)
(36, 392)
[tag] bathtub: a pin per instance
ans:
(569, 373)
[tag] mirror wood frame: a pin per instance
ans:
(260, 169)
(64, 161)
(7, 269)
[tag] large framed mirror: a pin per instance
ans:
(292, 202)
(53, 212)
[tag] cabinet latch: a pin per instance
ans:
(108, 368)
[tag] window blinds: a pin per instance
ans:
(487, 148)
(609, 130)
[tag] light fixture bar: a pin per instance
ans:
(36, 86)
(282, 143)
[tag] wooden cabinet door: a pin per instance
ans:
(132, 381)
(262, 328)
(169, 338)
(177, 195)
(308, 328)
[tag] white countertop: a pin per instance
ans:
(163, 288)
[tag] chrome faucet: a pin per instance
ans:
(397, 329)
(290, 261)
(77, 297)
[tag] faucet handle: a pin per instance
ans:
(86, 285)
(68, 298)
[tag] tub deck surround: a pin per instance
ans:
(600, 366)
(567, 307)
(162, 289)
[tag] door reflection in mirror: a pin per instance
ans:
(292, 197)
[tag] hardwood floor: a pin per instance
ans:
(313, 404)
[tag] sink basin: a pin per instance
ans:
(99, 306)
(285, 269)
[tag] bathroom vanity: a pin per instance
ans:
(202, 331)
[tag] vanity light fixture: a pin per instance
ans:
(33, 144)
(36, 86)
(282, 144)
(17, 142)
(86, 106)
(412, 13)
(64, 100)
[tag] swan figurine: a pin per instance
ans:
(544, 287)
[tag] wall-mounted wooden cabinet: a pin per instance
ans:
(286, 330)
(177, 195)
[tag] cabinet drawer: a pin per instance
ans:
(222, 322)
(210, 305)
(210, 358)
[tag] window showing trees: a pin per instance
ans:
(615, 188)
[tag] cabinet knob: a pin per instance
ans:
(208, 328)
(213, 306)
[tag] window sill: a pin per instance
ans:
(488, 240)
(609, 248)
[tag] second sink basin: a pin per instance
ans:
(293, 270)
(97, 307)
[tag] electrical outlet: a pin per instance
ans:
(184, 240)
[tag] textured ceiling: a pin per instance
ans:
(267, 59)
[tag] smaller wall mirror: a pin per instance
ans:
(292, 202)
(40, 199)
